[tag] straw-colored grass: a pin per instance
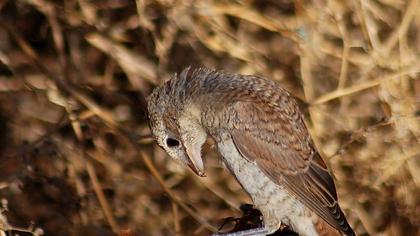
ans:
(76, 156)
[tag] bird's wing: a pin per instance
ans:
(277, 140)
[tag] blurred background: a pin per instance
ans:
(76, 156)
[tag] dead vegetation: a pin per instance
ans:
(76, 157)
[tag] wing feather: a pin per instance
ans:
(282, 147)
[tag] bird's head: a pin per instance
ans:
(176, 125)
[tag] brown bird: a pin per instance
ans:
(262, 138)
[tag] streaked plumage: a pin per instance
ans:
(262, 138)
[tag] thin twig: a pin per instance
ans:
(177, 225)
(363, 86)
(174, 198)
(101, 197)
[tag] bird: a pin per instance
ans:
(261, 136)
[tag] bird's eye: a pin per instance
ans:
(171, 142)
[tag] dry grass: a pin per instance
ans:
(76, 157)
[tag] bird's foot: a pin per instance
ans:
(251, 224)
(251, 219)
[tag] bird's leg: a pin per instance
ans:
(249, 232)
(250, 224)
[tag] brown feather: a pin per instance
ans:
(280, 144)
(324, 229)
(266, 127)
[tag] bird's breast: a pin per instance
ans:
(273, 200)
(260, 187)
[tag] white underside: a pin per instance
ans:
(274, 202)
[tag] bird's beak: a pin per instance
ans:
(195, 162)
